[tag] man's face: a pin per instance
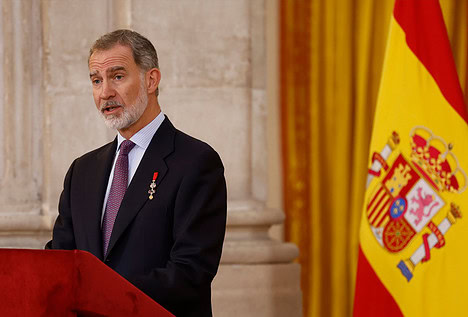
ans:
(118, 86)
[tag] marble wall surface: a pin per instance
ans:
(213, 58)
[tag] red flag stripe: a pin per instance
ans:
(376, 206)
(381, 214)
(371, 297)
(426, 36)
(383, 221)
(375, 197)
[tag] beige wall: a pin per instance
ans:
(219, 65)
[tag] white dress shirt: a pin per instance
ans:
(142, 140)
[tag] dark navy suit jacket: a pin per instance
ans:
(169, 246)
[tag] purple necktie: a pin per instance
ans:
(117, 192)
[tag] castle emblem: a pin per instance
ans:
(409, 195)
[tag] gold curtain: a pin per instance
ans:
(331, 59)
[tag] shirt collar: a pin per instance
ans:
(143, 137)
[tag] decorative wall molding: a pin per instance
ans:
(21, 108)
(119, 14)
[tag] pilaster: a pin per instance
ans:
(21, 113)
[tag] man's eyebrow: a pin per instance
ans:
(114, 69)
(94, 73)
(109, 70)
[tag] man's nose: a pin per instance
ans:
(107, 90)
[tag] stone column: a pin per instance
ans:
(72, 125)
(257, 276)
(216, 91)
(21, 113)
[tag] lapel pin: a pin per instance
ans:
(152, 186)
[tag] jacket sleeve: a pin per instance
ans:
(62, 234)
(198, 234)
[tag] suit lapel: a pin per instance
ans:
(96, 190)
(136, 195)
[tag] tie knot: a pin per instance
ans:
(126, 147)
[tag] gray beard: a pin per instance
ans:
(129, 114)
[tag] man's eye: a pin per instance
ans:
(118, 77)
(96, 81)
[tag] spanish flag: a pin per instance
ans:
(413, 256)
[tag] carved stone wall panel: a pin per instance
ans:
(213, 36)
(219, 117)
(206, 89)
(22, 239)
(73, 126)
(2, 100)
(21, 108)
(119, 14)
(259, 157)
(259, 290)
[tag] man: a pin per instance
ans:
(164, 232)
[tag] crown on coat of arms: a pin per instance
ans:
(435, 160)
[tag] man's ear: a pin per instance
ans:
(153, 77)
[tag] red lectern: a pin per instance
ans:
(67, 283)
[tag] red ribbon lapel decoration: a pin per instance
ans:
(153, 186)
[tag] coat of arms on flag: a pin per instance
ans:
(407, 202)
